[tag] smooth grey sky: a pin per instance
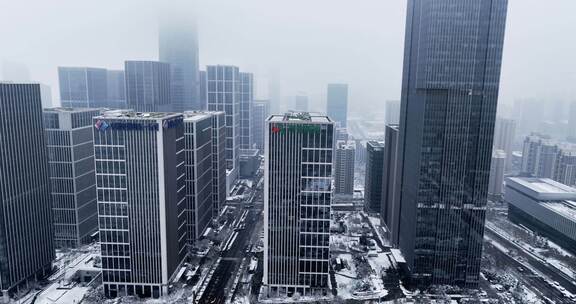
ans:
(311, 43)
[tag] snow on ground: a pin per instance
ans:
(59, 295)
(560, 249)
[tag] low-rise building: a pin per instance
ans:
(545, 206)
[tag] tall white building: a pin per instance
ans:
(260, 112)
(539, 156)
(297, 199)
(495, 184)
(344, 167)
(504, 132)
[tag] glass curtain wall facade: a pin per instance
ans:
(246, 103)
(26, 229)
(148, 86)
(72, 175)
(260, 112)
(452, 59)
(337, 103)
(178, 46)
(224, 94)
(198, 149)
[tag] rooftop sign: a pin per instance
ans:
(283, 128)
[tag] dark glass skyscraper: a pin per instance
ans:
(26, 231)
(178, 42)
(337, 103)
(373, 178)
(452, 59)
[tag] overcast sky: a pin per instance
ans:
(310, 42)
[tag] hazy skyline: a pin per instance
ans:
(309, 43)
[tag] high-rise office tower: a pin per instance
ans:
(141, 190)
(84, 87)
(344, 167)
(565, 169)
(390, 211)
(203, 90)
(224, 95)
(46, 95)
(26, 233)
(495, 184)
(392, 112)
(337, 103)
(148, 86)
(199, 178)
(218, 161)
(504, 133)
(178, 43)
(341, 134)
(452, 59)
(539, 156)
(572, 122)
(297, 199)
(301, 103)
(71, 159)
(15, 72)
(360, 155)
(274, 91)
(116, 90)
(246, 103)
(260, 112)
(373, 177)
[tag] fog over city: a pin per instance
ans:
(307, 43)
(288, 151)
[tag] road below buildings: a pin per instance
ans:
(533, 280)
(219, 288)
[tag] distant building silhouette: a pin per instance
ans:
(337, 103)
(246, 104)
(260, 112)
(178, 46)
(148, 86)
(85, 87)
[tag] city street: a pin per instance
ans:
(220, 287)
(532, 280)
